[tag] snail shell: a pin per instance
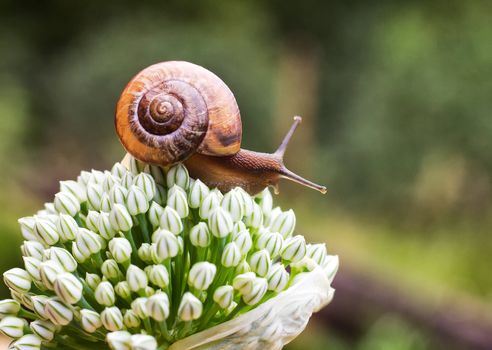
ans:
(173, 109)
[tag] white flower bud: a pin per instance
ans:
(157, 173)
(158, 306)
(118, 170)
(135, 166)
(32, 267)
(233, 204)
(130, 319)
(224, 296)
(178, 175)
(272, 242)
(120, 218)
(143, 342)
(106, 230)
(139, 307)
(190, 307)
(38, 304)
(68, 288)
(127, 180)
(17, 279)
(231, 256)
(123, 290)
(58, 312)
(33, 249)
(243, 267)
(27, 228)
(316, 252)
(200, 235)
(90, 320)
(66, 203)
(243, 241)
(220, 223)
(64, 258)
(45, 231)
(266, 201)
(96, 177)
(160, 196)
(109, 181)
(330, 266)
(272, 216)
(105, 203)
(117, 195)
(158, 275)
(147, 184)
(112, 319)
(155, 213)
(94, 194)
(201, 275)
(243, 283)
(238, 227)
(87, 242)
(77, 254)
(92, 280)
(9, 307)
(209, 204)
(111, 270)
(104, 294)
(144, 252)
(136, 278)
(13, 327)
(27, 342)
(294, 249)
(43, 329)
(171, 221)
(136, 201)
(247, 201)
(166, 244)
(48, 271)
(255, 220)
(176, 199)
(257, 292)
(198, 192)
(284, 223)
(277, 278)
(91, 220)
(119, 340)
(120, 249)
(67, 227)
(260, 262)
(83, 178)
(74, 188)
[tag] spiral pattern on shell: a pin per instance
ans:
(172, 109)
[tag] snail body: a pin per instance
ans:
(177, 111)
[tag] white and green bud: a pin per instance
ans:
(273, 215)
(247, 201)
(209, 204)
(330, 266)
(44, 329)
(66, 227)
(316, 252)
(171, 221)
(120, 249)
(158, 276)
(157, 173)
(136, 278)
(38, 305)
(200, 235)
(32, 267)
(155, 213)
(238, 227)
(119, 340)
(145, 252)
(294, 249)
(243, 283)
(112, 319)
(106, 230)
(68, 288)
(117, 195)
(94, 196)
(96, 177)
(75, 189)
(122, 289)
(131, 320)
(33, 249)
(118, 170)
(139, 307)
(243, 267)
(223, 296)
(87, 242)
(147, 184)
(201, 275)
(105, 203)
(49, 271)
(158, 306)
(190, 307)
(257, 292)
(27, 342)
(176, 199)
(9, 307)
(166, 244)
(91, 220)
(13, 327)
(17, 279)
(160, 196)
(64, 258)
(111, 270)
(178, 175)
(231, 256)
(45, 231)
(277, 278)
(260, 262)
(92, 280)
(220, 222)
(272, 242)
(120, 218)
(136, 201)
(77, 254)
(233, 204)
(255, 220)
(84, 178)
(127, 180)
(27, 228)
(90, 320)
(243, 241)
(58, 312)
(66, 203)
(197, 193)
(143, 342)
(265, 201)
(284, 223)
(104, 294)
(109, 181)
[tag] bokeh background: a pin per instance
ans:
(396, 99)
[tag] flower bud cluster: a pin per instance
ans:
(139, 257)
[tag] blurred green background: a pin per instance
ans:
(396, 99)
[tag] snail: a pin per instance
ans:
(177, 111)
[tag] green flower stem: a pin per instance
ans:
(85, 304)
(83, 208)
(27, 314)
(147, 325)
(164, 330)
(79, 220)
(129, 236)
(239, 307)
(97, 258)
(211, 312)
(142, 222)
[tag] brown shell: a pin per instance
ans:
(173, 109)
